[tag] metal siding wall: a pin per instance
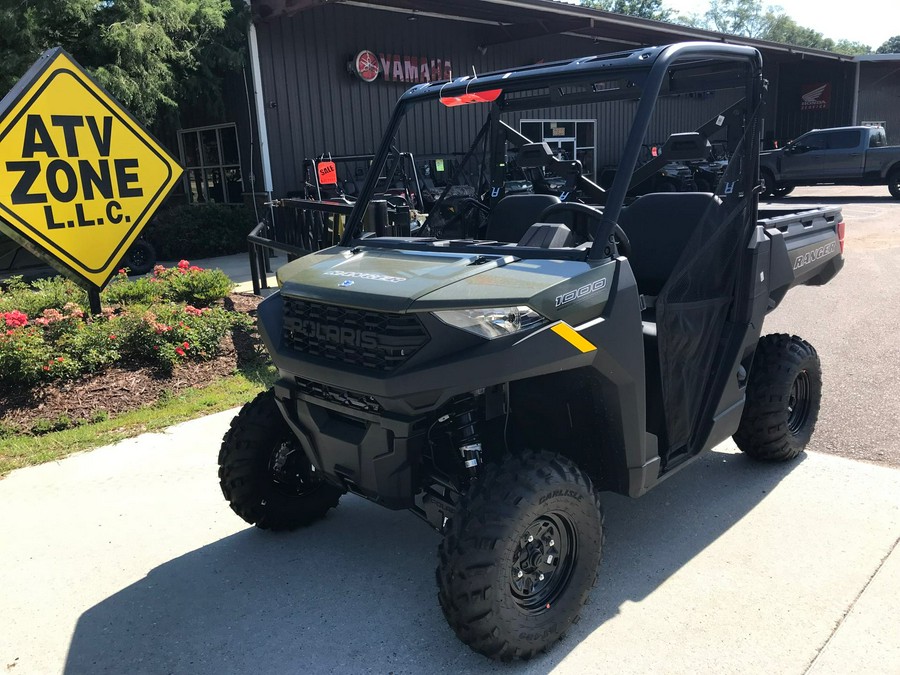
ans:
(879, 96)
(319, 107)
(790, 120)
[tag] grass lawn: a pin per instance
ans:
(18, 451)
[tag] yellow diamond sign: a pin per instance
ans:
(80, 177)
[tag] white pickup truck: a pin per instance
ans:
(839, 156)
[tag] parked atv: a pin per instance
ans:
(494, 385)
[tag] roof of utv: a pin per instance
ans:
(606, 66)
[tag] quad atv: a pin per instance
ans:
(494, 385)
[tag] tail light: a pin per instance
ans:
(840, 233)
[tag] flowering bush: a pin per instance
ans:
(56, 337)
(183, 283)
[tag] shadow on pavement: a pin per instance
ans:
(355, 593)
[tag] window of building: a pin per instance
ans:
(212, 164)
(568, 139)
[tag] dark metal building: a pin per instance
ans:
(308, 97)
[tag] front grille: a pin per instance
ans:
(345, 397)
(375, 340)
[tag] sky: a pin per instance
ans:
(871, 22)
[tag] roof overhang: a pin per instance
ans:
(514, 20)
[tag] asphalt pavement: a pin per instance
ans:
(854, 323)
(126, 559)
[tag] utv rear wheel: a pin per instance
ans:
(264, 473)
(783, 397)
(520, 557)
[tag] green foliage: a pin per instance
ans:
(41, 294)
(851, 48)
(748, 18)
(149, 55)
(184, 283)
(161, 321)
(646, 9)
(890, 46)
(200, 231)
(23, 355)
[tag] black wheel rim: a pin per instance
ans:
(291, 471)
(543, 563)
(798, 403)
(137, 257)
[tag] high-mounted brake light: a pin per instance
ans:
(840, 233)
(477, 97)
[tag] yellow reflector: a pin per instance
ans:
(572, 336)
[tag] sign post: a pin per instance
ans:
(81, 177)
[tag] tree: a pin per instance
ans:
(149, 55)
(851, 48)
(890, 46)
(645, 9)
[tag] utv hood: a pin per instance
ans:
(393, 280)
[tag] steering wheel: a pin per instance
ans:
(622, 241)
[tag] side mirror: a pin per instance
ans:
(686, 146)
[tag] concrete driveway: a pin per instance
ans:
(127, 560)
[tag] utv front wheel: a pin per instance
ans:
(783, 397)
(520, 557)
(264, 473)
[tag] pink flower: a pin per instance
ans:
(59, 359)
(46, 368)
(183, 264)
(193, 311)
(185, 345)
(15, 319)
(179, 351)
(112, 336)
(194, 268)
(158, 269)
(123, 272)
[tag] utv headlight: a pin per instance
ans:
(492, 322)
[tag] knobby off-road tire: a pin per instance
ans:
(508, 597)
(894, 183)
(783, 397)
(264, 474)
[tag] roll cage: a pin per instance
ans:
(642, 75)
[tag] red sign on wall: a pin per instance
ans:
(815, 96)
(398, 68)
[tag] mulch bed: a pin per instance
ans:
(119, 390)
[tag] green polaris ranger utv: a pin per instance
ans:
(498, 369)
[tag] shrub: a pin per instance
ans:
(192, 284)
(41, 294)
(183, 283)
(24, 356)
(200, 231)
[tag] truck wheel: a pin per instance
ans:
(140, 258)
(767, 183)
(520, 556)
(894, 183)
(783, 190)
(264, 473)
(783, 397)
